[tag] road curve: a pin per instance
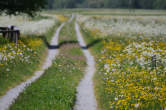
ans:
(86, 99)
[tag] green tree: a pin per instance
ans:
(138, 4)
(160, 4)
(50, 4)
(14, 7)
(145, 4)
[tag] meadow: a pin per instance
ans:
(131, 57)
(18, 62)
(129, 47)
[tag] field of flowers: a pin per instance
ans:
(11, 52)
(27, 25)
(128, 25)
(18, 62)
(131, 63)
(135, 74)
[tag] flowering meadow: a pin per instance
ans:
(135, 74)
(131, 61)
(11, 52)
(28, 25)
(62, 18)
(18, 62)
(128, 25)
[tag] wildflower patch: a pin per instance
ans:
(18, 62)
(134, 74)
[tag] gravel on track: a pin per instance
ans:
(86, 99)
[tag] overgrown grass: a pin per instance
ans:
(16, 71)
(56, 89)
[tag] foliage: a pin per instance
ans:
(21, 6)
(143, 4)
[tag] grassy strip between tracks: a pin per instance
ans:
(56, 89)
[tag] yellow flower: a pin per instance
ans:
(35, 43)
(95, 32)
(1, 64)
(62, 18)
(129, 74)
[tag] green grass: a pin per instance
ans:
(95, 44)
(3, 41)
(17, 72)
(56, 89)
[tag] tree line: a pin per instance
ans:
(29, 7)
(137, 4)
(15, 7)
